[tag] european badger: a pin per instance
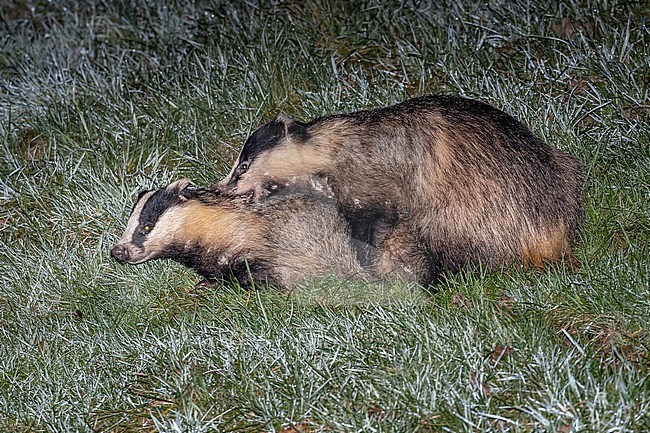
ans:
(283, 240)
(435, 183)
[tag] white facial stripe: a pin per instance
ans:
(168, 227)
(134, 219)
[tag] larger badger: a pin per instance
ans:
(284, 241)
(435, 183)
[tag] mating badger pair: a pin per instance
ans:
(425, 187)
(291, 237)
(433, 183)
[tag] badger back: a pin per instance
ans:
(309, 238)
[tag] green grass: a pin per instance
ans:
(100, 100)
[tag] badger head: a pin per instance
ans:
(274, 156)
(153, 225)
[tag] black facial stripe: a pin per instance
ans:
(233, 179)
(152, 210)
(138, 238)
(137, 200)
(299, 131)
(264, 138)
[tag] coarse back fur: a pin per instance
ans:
(435, 182)
(287, 239)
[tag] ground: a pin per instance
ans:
(99, 100)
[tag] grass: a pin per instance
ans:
(100, 100)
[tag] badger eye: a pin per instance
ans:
(147, 228)
(243, 167)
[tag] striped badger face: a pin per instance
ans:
(275, 155)
(154, 222)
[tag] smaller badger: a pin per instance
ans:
(285, 240)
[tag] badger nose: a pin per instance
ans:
(120, 253)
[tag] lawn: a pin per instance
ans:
(102, 99)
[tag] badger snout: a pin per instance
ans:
(120, 253)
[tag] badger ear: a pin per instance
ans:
(179, 188)
(179, 185)
(293, 128)
(283, 118)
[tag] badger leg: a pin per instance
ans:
(553, 244)
(403, 254)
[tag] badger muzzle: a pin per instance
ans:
(120, 253)
(128, 253)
